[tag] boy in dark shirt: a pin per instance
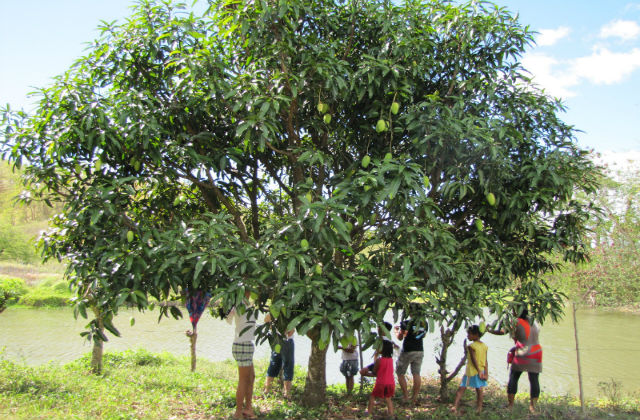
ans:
(411, 333)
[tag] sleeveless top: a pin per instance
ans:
(528, 356)
(384, 375)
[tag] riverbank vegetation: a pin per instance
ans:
(141, 385)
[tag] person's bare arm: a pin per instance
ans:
(472, 356)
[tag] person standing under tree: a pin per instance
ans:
(477, 371)
(525, 356)
(382, 370)
(242, 350)
(285, 360)
(349, 366)
(412, 335)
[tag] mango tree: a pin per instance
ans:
(338, 159)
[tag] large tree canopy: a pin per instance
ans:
(338, 158)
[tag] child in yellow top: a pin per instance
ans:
(477, 368)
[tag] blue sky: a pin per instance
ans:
(587, 54)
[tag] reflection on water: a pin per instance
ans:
(610, 345)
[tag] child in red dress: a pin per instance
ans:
(385, 386)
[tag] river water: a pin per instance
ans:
(609, 345)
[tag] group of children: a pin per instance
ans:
(476, 374)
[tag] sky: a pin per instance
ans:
(587, 54)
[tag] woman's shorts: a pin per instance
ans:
(349, 368)
(243, 353)
(473, 382)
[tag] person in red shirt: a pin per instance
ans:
(385, 386)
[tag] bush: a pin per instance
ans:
(11, 289)
(51, 292)
(45, 297)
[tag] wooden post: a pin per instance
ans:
(361, 361)
(575, 331)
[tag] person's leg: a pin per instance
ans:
(389, 403)
(479, 399)
(248, 394)
(417, 383)
(456, 401)
(350, 383)
(401, 369)
(415, 358)
(512, 386)
(371, 405)
(243, 377)
(534, 386)
(287, 365)
(275, 363)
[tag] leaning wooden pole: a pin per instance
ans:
(575, 331)
(361, 361)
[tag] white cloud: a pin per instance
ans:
(624, 29)
(551, 36)
(602, 67)
(606, 67)
(548, 73)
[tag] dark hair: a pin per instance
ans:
(387, 348)
(475, 330)
(524, 314)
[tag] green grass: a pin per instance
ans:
(141, 385)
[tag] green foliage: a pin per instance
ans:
(50, 293)
(15, 245)
(610, 276)
(11, 289)
(201, 136)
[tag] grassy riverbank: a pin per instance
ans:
(141, 385)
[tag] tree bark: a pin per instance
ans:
(316, 383)
(98, 346)
(193, 337)
(446, 336)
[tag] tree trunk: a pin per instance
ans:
(446, 336)
(316, 384)
(193, 337)
(98, 344)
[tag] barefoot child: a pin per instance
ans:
(385, 385)
(349, 366)
(477, 368)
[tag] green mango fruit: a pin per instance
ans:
(318, 269)
(388, 157)
(491, 199)
(322, 107)
(395, 107)
(365, 161)
(381, 126)
(130, 236)
(327, 118)
(479, 225)
(304, 244)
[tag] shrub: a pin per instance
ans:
(11, 289)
